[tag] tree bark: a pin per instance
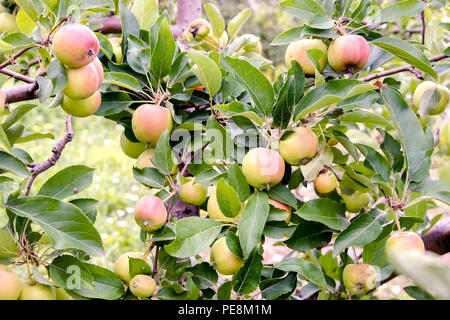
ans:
(437, 239)
(187, 10)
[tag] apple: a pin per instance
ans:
(263, 167)
(61, 294)
(430, 86)
(348, 53)
(193, 192)
(117, 48)
(75, 45)
(197, 30)
(282, 206)
(2, 100)
(298, 145)
(150, 213)
(144, 161)
(359, 278)
(297, 50)
(325, 182)
(225, 261)
(8, 23)
(355, 201)
(85, 81)
(9, 285)
(37, 291)
(142, 286)
(403, 241)
(214, 211)
(150, 121)
(122, 265)
(131, 149)
(82, 107)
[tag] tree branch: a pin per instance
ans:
(17, 76)
(111, 24)
(187, 10)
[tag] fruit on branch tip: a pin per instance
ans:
(85, 81)
(348, 53)
(214, 211)
(332, 142)
(10, 285)
(61, 294)
(282, 206)
(226, 262)
(197, 30)
(193, 192)
(122, 265)
(8, 23)
(37, 291)
(142, 286)
(150, 213)
(325, 182)
(403, 241)
(263, 167)
(359, 278)
(144, 161)
(82, 107)
(430, 87)
(298, 51)
(117, 48)
(356, 201)
(75, 45)
(130, 148)
(298, 145)
(2, 100)
(150, 121)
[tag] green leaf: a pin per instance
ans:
(235, 24)
(25, 24)
(163, 157)
(4, 141)
(70, 273)
(87, 205)
(323, 157)
(272, 289)
(303, 9)
(305, 268)
(309, 235)
(29, 8)
(204, 275)
(122, 80)
(67, 182)
(228, 200)
(417, 293)
(329, 212)
(163, 52)
(362, 116)
(149, 177)
(146, 12)
(65, 224)
(8, 246)
(207, 72)
(237, 180)
(233, 244)
(224, 291)
(283, 194)
(246, 279)
(138, 266)
(34, 137)
(10, 163)
(407, 8)
(216, 19)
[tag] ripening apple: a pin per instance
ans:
(150, 121)
(8, 23)
(2, 100)
(193, 192)
(144, 161)
(117, 48)
(425, 86)
(214, 211)
(142, 286)
(355, 201)
(130, 148)
(37, 291)
(298, 144)
(150, 213)
(359, 278)
(325, 182)
(82, 107)
(75, 45)
(263, 167)
(10, 285)
(297, 50)
(403, 241)
(226, 262)
(122, 265)
(85, 81)
(348, 53)
(282, 206)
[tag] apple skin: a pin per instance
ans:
(122, 265)
(61, 294)
(142, 286)
(150, 213)
(403, 241)
(262, 167)
(282, 206)
(356, 201)
(117, 48)
(150, 121)
(75, 45)
(214, 211)
(2, 100)
(226, 262)
(348, 53)
(297, 50)
(359, 278)
(85, 81)
(37, 291)
(197, 30)
(130, 148)
(325, 182)
(82, 108)
(10, 285)
(8, 23)
(193, 193)
(144, 161)
(301, 144)
(429, 85)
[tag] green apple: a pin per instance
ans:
(298, 145)
(406, 241)
(298, 51)
(355, 201)
(142, 286)
(82, 107)
(325, 182)
(359, 278)
(37, 291)
(8, 23)
(122, 265)
(225, 261)
(193, 192)
(10, 285)
(263, 167)
(426, 90)
(131, 149)
(214, 211)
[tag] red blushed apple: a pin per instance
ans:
(150, 213)
(75, 45)
(83, 82)
(150, 121)
(263, 167)
(348, 53)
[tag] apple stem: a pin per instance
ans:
(356, 256)
(397, 221)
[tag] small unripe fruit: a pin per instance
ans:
(150, 213)
(226, 262)
(75, 45)
(281, 206)
(82, 107)
(8, 23)
(444, 93)
(297, 50)
(85, 81)
(325, 182)
(355, 201)
(198, 30)
(142, 286)
(122, 265)
(10, 285)
(150, 121)
(214, 211)
(406, 241)
(263, 167)
(131, 149)
(359, 278)
(2, 100)
(298, 145)
(348, 53)
(37, 291)
(193, 193)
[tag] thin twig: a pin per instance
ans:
(17, 76)
(422, 19)
(196, 153)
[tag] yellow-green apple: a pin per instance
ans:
(348, 53)
(214, 211)
(82, 107)
(10, 285)
(406, 241)
(356, 201)
(144, 161)
(61, 294)
(359, 278)
(142, 286)
(193, 192)
(8, 23)
(117, 48)
(197, 30)
(298, 144)
(325, 182)
(150, 213)
(2, 100)
(130, 148)
(297, 51)
(122, 265)
(282, 206)
(430, 86)
(263, 167)
(75, 45)
(332, 142)
(150, 121)
(37, 291)
(226, 262)
(85, 81)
